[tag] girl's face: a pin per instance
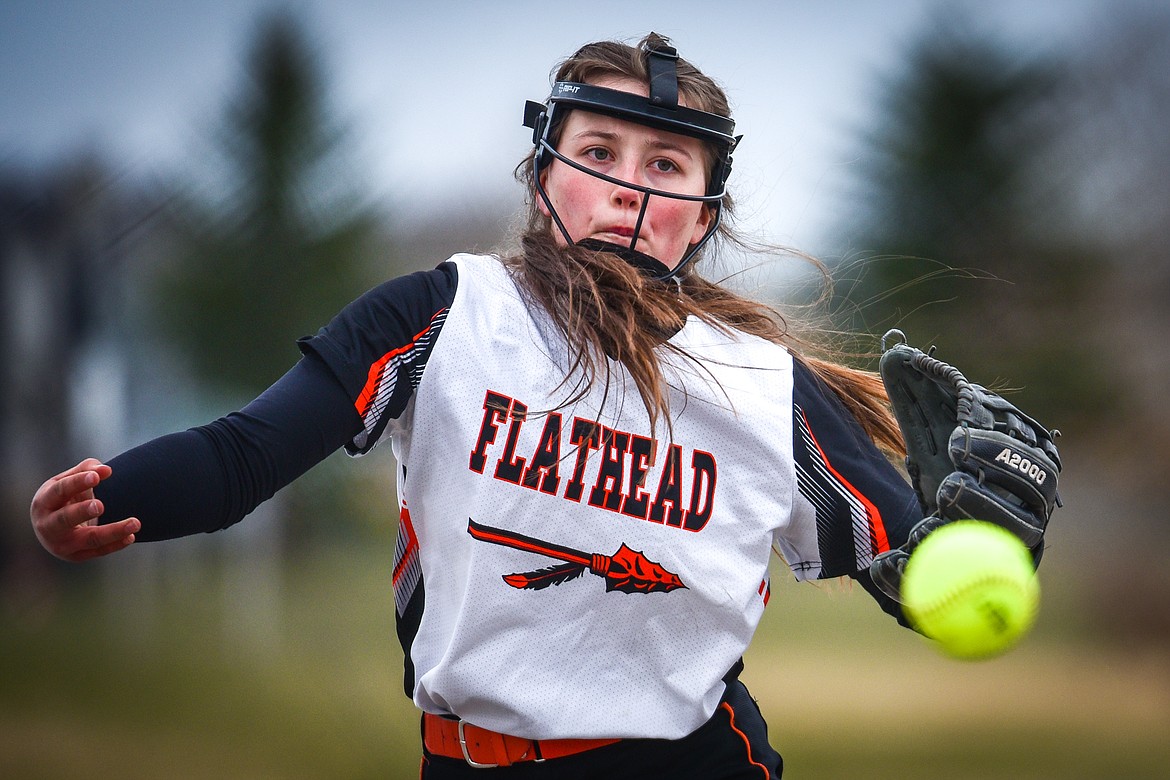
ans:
(591, 207)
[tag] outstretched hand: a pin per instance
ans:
(64, 515)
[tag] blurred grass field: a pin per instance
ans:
(110, 682)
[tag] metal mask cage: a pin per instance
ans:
(660, 110)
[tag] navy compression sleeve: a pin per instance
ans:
(208, 478)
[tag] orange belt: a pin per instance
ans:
(484, 749)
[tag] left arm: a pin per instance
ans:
(863, 505)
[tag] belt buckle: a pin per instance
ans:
(466, 755)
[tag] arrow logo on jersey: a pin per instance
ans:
(628, 571)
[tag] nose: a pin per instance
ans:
(625, 195)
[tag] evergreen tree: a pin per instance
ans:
(274, 245)
(285, 240)
(951, 229)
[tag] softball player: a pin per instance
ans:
(597, 451)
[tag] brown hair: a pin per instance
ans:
(607, 308)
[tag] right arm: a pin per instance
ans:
(208, 478)
(198, 480)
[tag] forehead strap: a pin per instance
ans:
(662, 63)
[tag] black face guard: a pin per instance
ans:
(661, 111)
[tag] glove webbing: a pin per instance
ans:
(947, 374)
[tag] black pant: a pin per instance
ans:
(732, 745)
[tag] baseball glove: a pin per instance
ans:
(969, 453)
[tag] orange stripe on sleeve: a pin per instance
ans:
(411, 545)
(871, 511)
(373, 379)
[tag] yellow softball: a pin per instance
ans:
(972, 587)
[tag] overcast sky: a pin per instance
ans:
(435, 90)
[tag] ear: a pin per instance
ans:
(702, 224)
(540, 201)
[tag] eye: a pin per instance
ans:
(663, 165)
(598, 154)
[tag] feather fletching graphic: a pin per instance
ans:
(542, 578)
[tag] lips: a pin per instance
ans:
(618, 230)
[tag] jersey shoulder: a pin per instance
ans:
(377, 345)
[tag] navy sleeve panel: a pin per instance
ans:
(377, 347)
(208, 478)
(863, 504)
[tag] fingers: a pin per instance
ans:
(99, 540)
(70, 486)
(78, 513)
(93, 541)
(89, 464)
(64, 514)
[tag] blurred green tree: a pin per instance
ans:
(273, 241)
(279, 238)
(952, 237)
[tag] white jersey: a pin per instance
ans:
(562, 573)
(486, 441)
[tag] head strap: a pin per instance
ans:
(626, 105)
(662, 62)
